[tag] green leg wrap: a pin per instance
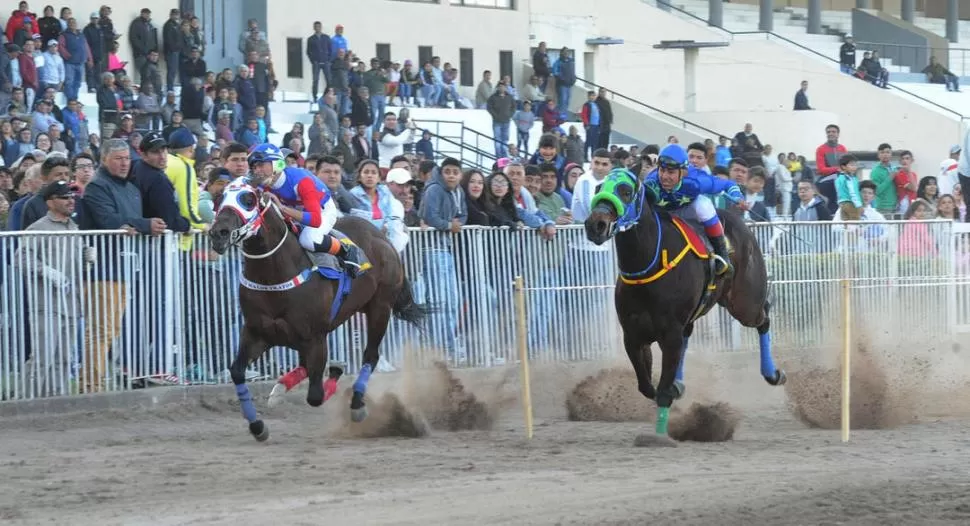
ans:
(663, 414)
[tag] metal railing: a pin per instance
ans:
(910, 54)
(454, 139)
(138, 311)
(770, 35)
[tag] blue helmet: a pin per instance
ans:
(266, 153)
(673, 156)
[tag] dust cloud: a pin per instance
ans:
(610, 395)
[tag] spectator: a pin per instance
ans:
(330, 119)
(916, 240)
(147, 107)
(181, 172)
(95, 38)
(473, 185)
(937, 73)
(754, 195)
(484, 90)
(565, 72)
(111, 202)
(29, 76)
(551, 118)
(906, 182)
(52, 170)
(17, 20)
(949, 170)
(929, 191)
(149, 73)
(125, 129)
(875, 73)
(210, 199)
(340, 72)
(443, 209)
(847, 189)
(587, 183)
(193, 100)
(882, 175)
(785, 185)
(251, 27)
(811, 207)
(498, 202)
(246, 91)
(548, 200)
(946, 208)
(42, 118)
(296, 132)
(375, 79)
(697, 156)
(827, 155)
(158, 194)
(541, 68)
(173, 46)
(572, 147)
(318, 52)
(49, 26)
(591, 121)
(107, 29)
(847, 56)
(30, 183)
(501, 107)
(75, 54)
(801, 98)
(524, 121)
(143, 37)
(392, 142)
(82, 169)
(192, 67)
(56, 267)
(195, 28)
(410, 83)
(257, 43)
(338, 41)
(329, 171)
(606, 118)
(175, 124)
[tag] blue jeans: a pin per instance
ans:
(343, 103)
(952, 83)
(378, 103)
(592, 140)
(73, 73)
(172, 64)
(317, 68)
(442, 295)
(500, 131)
(404, 91)
(523, 143)
(430, 94)
(565, 92)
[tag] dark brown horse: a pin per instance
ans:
(286, 302)
(665, 285)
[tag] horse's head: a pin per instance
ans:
(614, 207)
(240, 217)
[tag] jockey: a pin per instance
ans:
(305, 200)
(679, 188)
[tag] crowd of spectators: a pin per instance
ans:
(159, 169)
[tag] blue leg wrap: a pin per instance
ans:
(680, 367)
(246, 403)
(767, 362)
(360, 386)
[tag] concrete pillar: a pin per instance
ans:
(862, 4)
(815, 17)
(690, 79)
(906, 10)
(952, 21)
(767, 17)
(715, 15)
(663, 4)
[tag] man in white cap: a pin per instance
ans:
(52, 75)
(948, 171)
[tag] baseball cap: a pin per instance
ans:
(95, 14)
(51, 42)
(153, 140)
(955, 149)
(398, 176)
(57, 189)
(181, 138)
(126, 116)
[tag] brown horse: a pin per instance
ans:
(286, 301)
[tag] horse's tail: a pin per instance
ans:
(406, 309)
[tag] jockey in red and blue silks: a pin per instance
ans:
(304, 199)
(680, 189)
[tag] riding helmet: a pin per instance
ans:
(672, 156)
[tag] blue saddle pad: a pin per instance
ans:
(329, 268)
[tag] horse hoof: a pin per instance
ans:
(259, 430)
(314, 401)
(358, 415)
(778, 379)
(679, 389)
(653, 440)
(276, 395)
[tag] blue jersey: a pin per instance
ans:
(300, 189)
(696, 182)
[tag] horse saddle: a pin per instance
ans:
(698, 243)
(328, 264)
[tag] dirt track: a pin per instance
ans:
(197, 464)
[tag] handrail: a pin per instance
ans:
(904, 51)
(681, 120)
(770, 34)
(462, 147)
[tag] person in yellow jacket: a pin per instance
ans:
(181, 172)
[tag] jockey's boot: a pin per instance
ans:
(722, 259)
(349, 255)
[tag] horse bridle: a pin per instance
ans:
(248, 229)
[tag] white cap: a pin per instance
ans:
(398, 176)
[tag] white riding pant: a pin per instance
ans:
(702, 209)
(311, 236)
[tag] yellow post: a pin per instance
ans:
(522, 336)
(846, 356)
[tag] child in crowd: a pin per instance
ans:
(847, 189)
(811, 207)
(907, 182)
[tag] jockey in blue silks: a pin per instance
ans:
(680, 189)
(304, 199)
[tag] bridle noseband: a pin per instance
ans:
(249, 229)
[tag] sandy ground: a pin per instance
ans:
(197, 463)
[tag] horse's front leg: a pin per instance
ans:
(250, 348)
(287, 382)
(669, 388)
(316, 364)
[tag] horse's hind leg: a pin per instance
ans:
(287, 382)
(378, 316)
(771, 374)
(250, 348)
(316, 364)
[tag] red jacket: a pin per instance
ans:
(16, 21)
(825, 154)
(901, 179)
(28, 71)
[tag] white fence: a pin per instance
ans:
(101, 311)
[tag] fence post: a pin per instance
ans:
(846, 356)
(522, 335)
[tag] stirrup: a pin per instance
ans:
(722, 266)
(352, 267)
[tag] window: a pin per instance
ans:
(505, 65)
(384, 53)
(466, 66)
(424, 55)
(497, 4)
(294, 58)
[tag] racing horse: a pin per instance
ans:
(667, 281)
(288, 299)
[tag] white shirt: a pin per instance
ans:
(583, 194)
(948, 176)
(390, 146)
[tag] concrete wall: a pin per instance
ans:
(894, 38)
(405, 26)
(754, 77)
